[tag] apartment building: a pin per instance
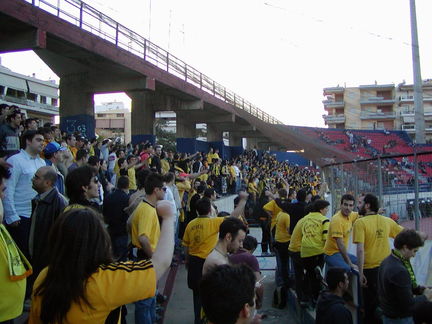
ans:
(376, 106)
(36, 98)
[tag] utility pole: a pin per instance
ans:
(418, 83)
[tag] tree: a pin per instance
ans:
(163, 136)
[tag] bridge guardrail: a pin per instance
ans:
(97, 23)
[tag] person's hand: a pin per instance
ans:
(164, 209)
(363, 280)
(243, 195)
(15, 224)
(428, 293)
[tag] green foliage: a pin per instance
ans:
(164, 137)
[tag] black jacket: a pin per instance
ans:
(9, 140)
(45, 211)
(114, 214)
(296, 212)
(331, 310)
(395, 289)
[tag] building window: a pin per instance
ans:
(101, 115)
(2, 89)
(11, 92)
(31, 96)
(119, 115)
(54, 102)
(43, 99)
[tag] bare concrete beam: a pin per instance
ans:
(22, 41)
(235, 128)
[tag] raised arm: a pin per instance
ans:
(163, 254)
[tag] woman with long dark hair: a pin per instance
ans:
(82, 284)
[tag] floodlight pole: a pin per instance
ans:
(418, 90)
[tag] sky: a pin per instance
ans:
(277, 54)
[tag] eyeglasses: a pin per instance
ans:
(164, 189)
(96, 180)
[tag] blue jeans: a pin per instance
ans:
(337, 260)
(145, 311)
(404, 320)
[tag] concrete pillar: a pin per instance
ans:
(185, 128)
(251, 143)
(214, 134)
(235, 140)
(76, 105)
(142, 116)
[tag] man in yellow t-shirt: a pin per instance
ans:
(145, 232)
(200, 238)
(282, 241)
(371, 233)
(336, 246)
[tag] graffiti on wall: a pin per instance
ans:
(84, 124)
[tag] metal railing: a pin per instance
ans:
(95, 22)
(403, 183)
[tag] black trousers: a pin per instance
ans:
(283, 254)
(21, 234)
(195, 267)
(312, 283)
(370, 296)
(266, 235)
(299, 276)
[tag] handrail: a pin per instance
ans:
(97, 23)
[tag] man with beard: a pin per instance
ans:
(335, 248)
(232, 232)
(371, 234)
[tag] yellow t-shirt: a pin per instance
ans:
(183, 186)
(73, 151)
(132, 179)
(109, 287)
(11, 292)
(314, 231)
(296, 237)
(165, 166)
(282, 228)
(274, 209)
(340, 226)
(374, 231)
(145, 222)
(201, 235)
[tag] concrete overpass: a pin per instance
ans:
(92, 53)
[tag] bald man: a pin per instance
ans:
(46, 207)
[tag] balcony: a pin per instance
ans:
(377, 86)
(406, 99)
(411, 113)
(377, 115)
(410, 128)
(333, 90)
(376, 101)
(31, 105)
(333, 104)
(334, 119)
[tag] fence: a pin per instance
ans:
(403, 184)
(97, 23)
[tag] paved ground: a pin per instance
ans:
(180, 306)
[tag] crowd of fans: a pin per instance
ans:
(90, 225)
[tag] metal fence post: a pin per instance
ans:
(380, 182)
(416, 191)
